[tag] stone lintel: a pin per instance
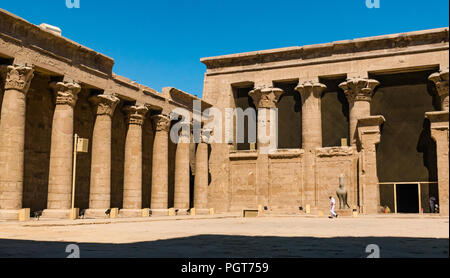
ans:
(243, 155)
(286, 154)
(334, 151)
(266, 96)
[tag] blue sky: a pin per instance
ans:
(159, 43)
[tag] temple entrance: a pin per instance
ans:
(407, 198)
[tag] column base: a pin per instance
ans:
(159, 212)
(124, 213)
(96, 213)
(199, 211)
(181, 212)
(9, 214)
(56, 213)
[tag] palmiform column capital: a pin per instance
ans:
(19, 78)
(105, 104)
(266, 96)
(440, 79)
(135, 114)
(66, 92)
(162, 122)
(309, 88)
(359, 89)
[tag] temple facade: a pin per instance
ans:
(372, 111)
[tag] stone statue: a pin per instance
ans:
(342, 193)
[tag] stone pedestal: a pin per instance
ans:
(12, 140)
(359, 93)
(368, 137)
(310, 93)
(182, 176)
(439, 132)
(160, 166)
(100, 186)
(61, 152)
(132, 178)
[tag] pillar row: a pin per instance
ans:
(359, 93)
(100, 189)
(61, 150)
(132, 178)
(12, 137)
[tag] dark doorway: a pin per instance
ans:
(407, 198)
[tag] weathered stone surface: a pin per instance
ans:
(60, 173)
(12, 136)
(440, 79)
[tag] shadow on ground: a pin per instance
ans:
(213, 246)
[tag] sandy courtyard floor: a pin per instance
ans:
(232, 237)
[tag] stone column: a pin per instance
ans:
(265, 99)
(311, 114)
(359, 93)
(440, 79)
(368, 136)
(182, 177)
(160, 168)
(100, 187)
(61, 151)
(439, 132)
(12, 139)
(310, 93)
(132, 177)
(201, 176)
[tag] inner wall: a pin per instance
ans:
(289, 117)
(406, 151)
(335, 113)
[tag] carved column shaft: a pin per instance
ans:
(182, 177)
(201, 177)
(311, 114)
(61, 150)
(359, 93)
(132, 178)
(160, 168)
(12, 136)
(100, 190)
(310, 94)
(368, 137)
(440, 133)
